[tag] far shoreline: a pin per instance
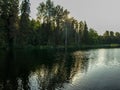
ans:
(63, 48)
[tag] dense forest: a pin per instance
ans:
(53, 27)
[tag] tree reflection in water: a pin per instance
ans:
(40, 69)
(63, 71)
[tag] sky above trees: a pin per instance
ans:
(101, 15)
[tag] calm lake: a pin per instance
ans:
(95, 69)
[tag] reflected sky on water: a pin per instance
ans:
(97, 69)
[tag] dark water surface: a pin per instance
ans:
(97, 69)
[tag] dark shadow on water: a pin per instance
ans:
(38, 69)
(9, 80)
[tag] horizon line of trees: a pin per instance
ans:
(53, 27)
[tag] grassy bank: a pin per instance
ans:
(69, 48)
(72, 47)
(100, 46)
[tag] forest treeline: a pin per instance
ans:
(53, 27)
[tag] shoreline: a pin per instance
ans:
(82, 47)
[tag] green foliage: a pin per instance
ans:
(93, 36)
(85, 34)
(24, 30)
(53, 27)
(46, 11)
(9, 18)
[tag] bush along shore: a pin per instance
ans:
(53, 28)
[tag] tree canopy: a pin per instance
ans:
(53, 27)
